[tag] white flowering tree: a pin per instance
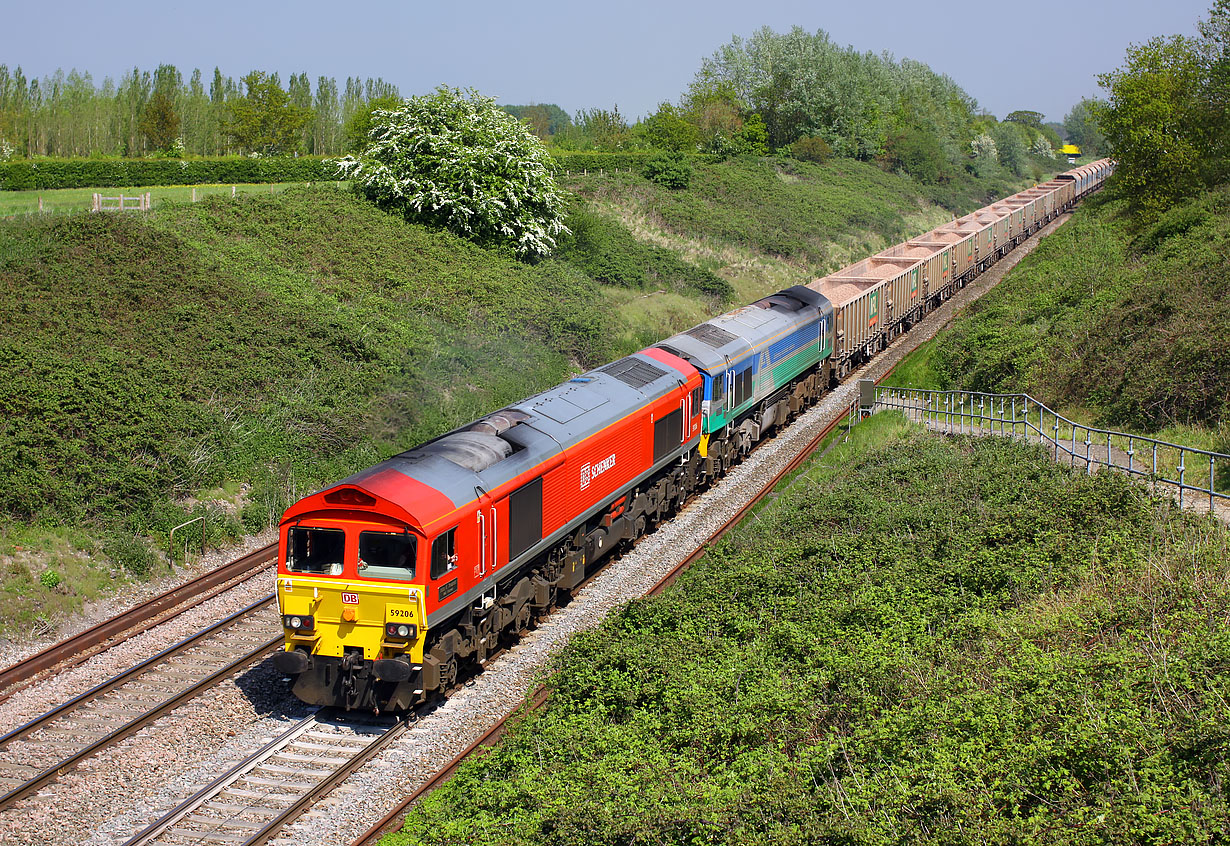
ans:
(983, 147)
(1042, 148)
(454, 159)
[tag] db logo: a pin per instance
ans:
(350, 599)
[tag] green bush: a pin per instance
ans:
(811, 149)
(131, 553)
(581, 162)
(670, 170)
(49, 579)
(35, 174)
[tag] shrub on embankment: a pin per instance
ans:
(928, 641)
(1131, 324)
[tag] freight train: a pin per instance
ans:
(394, 580)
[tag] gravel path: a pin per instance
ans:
(119, 792)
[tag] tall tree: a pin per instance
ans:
(160, 122)
(1156, 122)
(326, 117)
(1081, 127)
(299, 92)
(264, 120)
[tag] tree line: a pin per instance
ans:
(146, 113)
(796, 92)
(803, 94)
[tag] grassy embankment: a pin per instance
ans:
(1113, 326)
(765, 224)
(225, 357)
(920, 640)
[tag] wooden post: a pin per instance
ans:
(40, 203)
(194, 194)
(232, 192)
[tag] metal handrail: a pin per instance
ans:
(1020, 415)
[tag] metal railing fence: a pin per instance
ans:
(1192, 472)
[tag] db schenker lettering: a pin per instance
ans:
(589, 472)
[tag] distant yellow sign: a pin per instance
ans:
(1071, 150)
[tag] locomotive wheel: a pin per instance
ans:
(521, 623)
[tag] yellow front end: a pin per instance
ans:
(356, 645)
(350, 615)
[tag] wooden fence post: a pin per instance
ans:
(194, 194)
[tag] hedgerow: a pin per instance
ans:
(26, 175)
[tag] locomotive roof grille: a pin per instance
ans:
(714, 336)
(633, 372)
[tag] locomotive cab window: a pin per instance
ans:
(719, 391)
(387, 555)
(317, 551)
(697, 394)
(444, 554)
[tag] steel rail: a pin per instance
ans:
(133, 671)
(155, 829)
(79, 647)
(270, 829)
(132, 727)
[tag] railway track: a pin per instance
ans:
(36, 753)
(140, 618)
(251, 803)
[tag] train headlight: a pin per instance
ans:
(298, 622)
(402, 631)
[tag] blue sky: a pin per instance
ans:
(587, 54)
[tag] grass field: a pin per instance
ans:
(64, 200)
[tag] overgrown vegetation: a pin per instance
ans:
(1129, 324)
(790, 208)
(608, 253)
(923, 641)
